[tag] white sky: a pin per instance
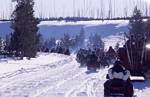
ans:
(147, 1)
(57, 8)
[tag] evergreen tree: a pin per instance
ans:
(46, 44)
(77, 41)
(116, 46)
(52, 42)
(136, 25)
(136, 42)
(24, 38)
(80, 38)
(95, 41)
(147, 30)
(7, 44)
(40, 42)
(1, 45)
(66, 42)
(98, 43)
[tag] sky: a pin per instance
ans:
(87, 8)
(147, 1)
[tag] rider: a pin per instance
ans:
(118, 71)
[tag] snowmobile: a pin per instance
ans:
(117, 88)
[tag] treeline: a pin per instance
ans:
(76, 19)
(72, 43)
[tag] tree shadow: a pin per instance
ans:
(141, 85)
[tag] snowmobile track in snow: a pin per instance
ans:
(24, 78)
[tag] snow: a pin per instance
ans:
(110, 31)
(61, 78)
(57, 29)
(9, 65)
(55, 75)
(112, 40)
(140, 78)
(92, 22)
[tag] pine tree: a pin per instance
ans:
(77, 41)
(52, 42)
(96, 41)
(80, 38)
(66, 41)
(116, 46)
(90, 41)
(40, 42)
(135, 44)
(24, 39)
(1, 45)
(147, 30)
(136, 24)
(46, 44)
(7, 44)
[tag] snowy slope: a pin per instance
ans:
(112, 40)
(110, 31)
(61, 78)
(57, 29)
(57, 76)
(10, 65)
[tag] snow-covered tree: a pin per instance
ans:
(95, 41)
(80, 38)
(50, 43)
(2, 45)
(24, 39)
(66, 42)
(116, 46)
(7, 44)
(40, 41)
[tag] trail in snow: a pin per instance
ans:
(59, 78)
(63, 78)
(31, 79)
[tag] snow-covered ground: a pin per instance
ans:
(57, 76)
(57, 29)
(54, 75)
(112, 40)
